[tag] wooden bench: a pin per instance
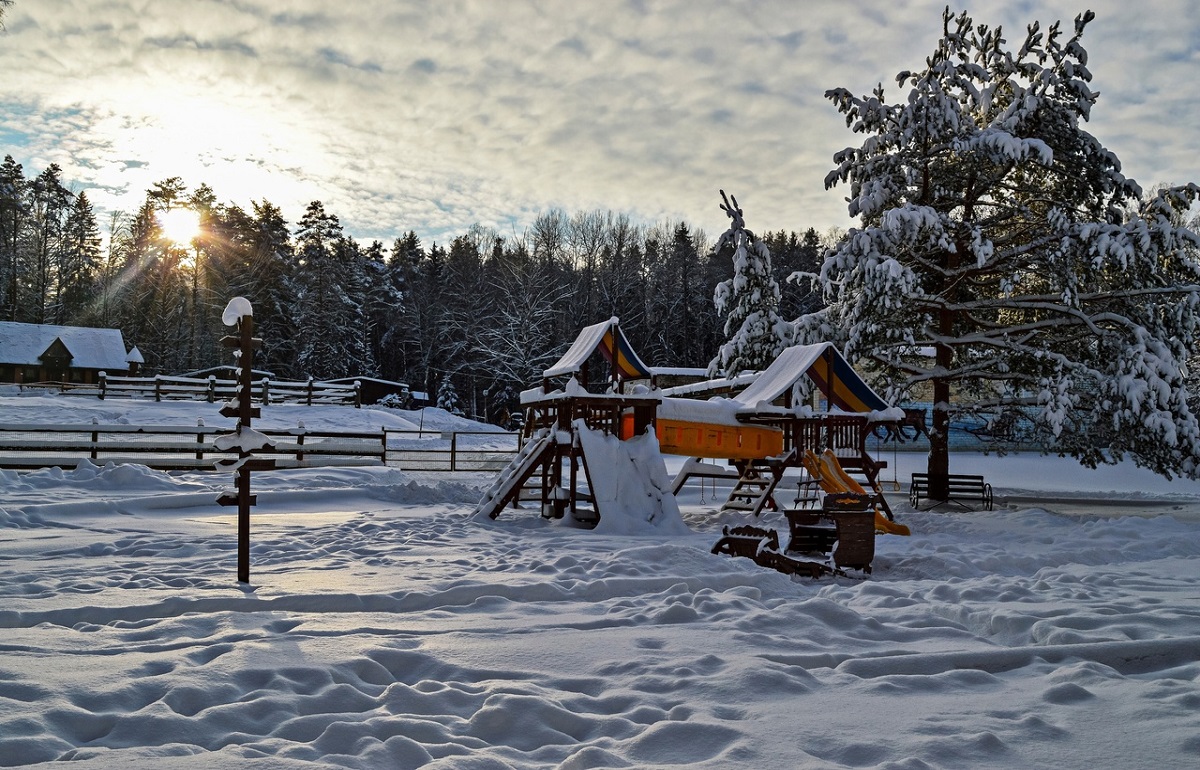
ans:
(961, 487)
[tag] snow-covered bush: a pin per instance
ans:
(447, 397)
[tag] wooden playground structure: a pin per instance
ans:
(578, 445)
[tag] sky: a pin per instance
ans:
(433, 115)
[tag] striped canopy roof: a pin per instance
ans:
(824, 364)
(610, 340)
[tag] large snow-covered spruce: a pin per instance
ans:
(755, 332)
(1001, 236)
(330, 305)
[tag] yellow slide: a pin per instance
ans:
(833, 479)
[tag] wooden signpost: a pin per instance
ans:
(238, 313)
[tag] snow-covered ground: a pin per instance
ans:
(386, 628)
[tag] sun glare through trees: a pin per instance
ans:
(180, 225)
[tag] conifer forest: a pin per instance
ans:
(485, 310)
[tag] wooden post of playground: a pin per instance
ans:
(614, 371)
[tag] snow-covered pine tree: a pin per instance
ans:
(447, 397)
(755, 333)
(1002, 236)
(330, 323)
(78, 269)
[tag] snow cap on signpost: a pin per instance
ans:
(237, 307)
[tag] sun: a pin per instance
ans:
(180, 225)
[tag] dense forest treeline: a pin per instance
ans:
(482, 311)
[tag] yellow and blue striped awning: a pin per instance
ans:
(829, 371)
(613, 345)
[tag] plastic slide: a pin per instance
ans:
(833, 479)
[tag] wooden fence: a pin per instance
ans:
(487, 451)
(30, 446)
(211, 389)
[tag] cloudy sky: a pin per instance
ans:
(433, 115)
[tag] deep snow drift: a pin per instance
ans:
(386, 628)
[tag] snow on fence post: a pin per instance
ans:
(158, 387)
(103, 384)
(310, 389)
(266, 395)
(357, 394)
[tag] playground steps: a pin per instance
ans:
(512, 482)
(755, 486)
(749, 494)
(868, 478)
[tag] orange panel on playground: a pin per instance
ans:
(712, 441)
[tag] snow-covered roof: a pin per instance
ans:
(579, 352)
(613, 345)
(23, 344)
(828, 369)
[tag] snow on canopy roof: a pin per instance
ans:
(826, 367)
(608, 337)
(23, 344)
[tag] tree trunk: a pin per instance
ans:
(939, 434)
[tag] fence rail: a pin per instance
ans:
(451, 451)
(211, 389)
(29, 446)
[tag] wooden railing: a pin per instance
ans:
(177, 447)
(211, 389)
(451, 451)
(30, 446)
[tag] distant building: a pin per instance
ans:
(373, 390)
(45, 353)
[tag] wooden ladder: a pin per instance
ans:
(756, 484)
